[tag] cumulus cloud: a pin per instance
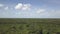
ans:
(41, 10)
(54, 13)
(19, 6)
(6, 8)
(26, 7)
(23, 6)
(1, 5)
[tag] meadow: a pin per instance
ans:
(29, 26)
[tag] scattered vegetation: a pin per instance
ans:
(29, 26)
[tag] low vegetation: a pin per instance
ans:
(29, 26)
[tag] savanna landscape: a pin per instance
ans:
(29, 16)
(29, 26)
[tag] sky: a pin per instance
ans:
(29, 8)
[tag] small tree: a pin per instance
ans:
(47, 32)
(41, 31)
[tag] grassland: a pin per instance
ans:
(29, 26)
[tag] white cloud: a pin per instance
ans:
(41, 10)
(6, 8)
(26, 7)
(21, 6)
(54, 13)
(18, 6)
(1, 5)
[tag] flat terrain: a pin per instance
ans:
(29, 26)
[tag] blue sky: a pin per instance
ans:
(29, 8)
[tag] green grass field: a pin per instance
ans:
(29, 26)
